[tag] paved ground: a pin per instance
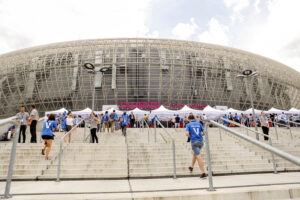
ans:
(110, 189)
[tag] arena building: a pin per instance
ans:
(144, 72)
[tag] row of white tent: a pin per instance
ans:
(165, 114)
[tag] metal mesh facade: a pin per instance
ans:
(141, 70)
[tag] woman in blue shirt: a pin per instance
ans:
(47, 135)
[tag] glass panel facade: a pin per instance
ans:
(141, 70)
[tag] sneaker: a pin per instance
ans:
(203, 176)
(43, 151)
(191, 169)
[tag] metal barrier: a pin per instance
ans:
(61, 149)
(12, 154)
(173, 146)
(148, 130)
(296, 123)
(269, 138)
(210, 180)
(267, 147)
(289, 127)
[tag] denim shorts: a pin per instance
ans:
(196, 146)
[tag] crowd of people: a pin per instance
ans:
(263, 120)
(111, 122)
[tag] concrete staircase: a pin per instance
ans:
(113, 158)
(284, 143)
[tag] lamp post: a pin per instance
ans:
(92, 70)
(247, 74)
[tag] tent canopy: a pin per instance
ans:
(162, 113)
(138, 113)
(62, 110)
(86, 111)
(233, 111)
(187, 110)
(249, 111)
(211, 113)
(294, 111)
(276, 111)
(110, 111)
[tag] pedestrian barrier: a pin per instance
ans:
(173, 145)
(251, 130)
(262, 145)
(61, 149)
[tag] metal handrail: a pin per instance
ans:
(278, 152)
(254, 131)
(159, 132)
(210, 180)
(148, 130)
(289, 121)
(267, 147)
(61, 149)
(289, 127)
(12, 154)
(173, 147)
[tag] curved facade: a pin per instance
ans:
(141, 70)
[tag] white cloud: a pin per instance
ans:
(216, 33)
(236, 5)
(185, 31)
(256, 6)
(35, 22)
(279, 36)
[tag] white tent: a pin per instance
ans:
(60, 111)
(138, 113)
(86, 111)
(162, 113)
(276, 111)
(185, 111)
(233, 111)
(249, 111)
(110, 111)
(294, 111)
(212, 113)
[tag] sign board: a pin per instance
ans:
(223, 108)
(106, 107)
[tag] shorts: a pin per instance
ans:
(197, 146)
(68, 128)
(106, 124)
(47, 137)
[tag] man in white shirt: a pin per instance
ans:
(22, 118)
(34, 117)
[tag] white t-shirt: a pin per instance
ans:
(173, 119)
(69, 121)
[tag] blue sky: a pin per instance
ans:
(266, 27)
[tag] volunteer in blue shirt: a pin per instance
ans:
(194, 130)
(106, 121)
(226, 123)
(113, 119)
(47, 135)
(124, 122)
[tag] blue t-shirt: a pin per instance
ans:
(114, 116)
(105, 117)
(237, 118)
(77, 120)
(48, 128)
(225, 122)
(195, 129)
(11, 128)
(64, 123)
(125, 119)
